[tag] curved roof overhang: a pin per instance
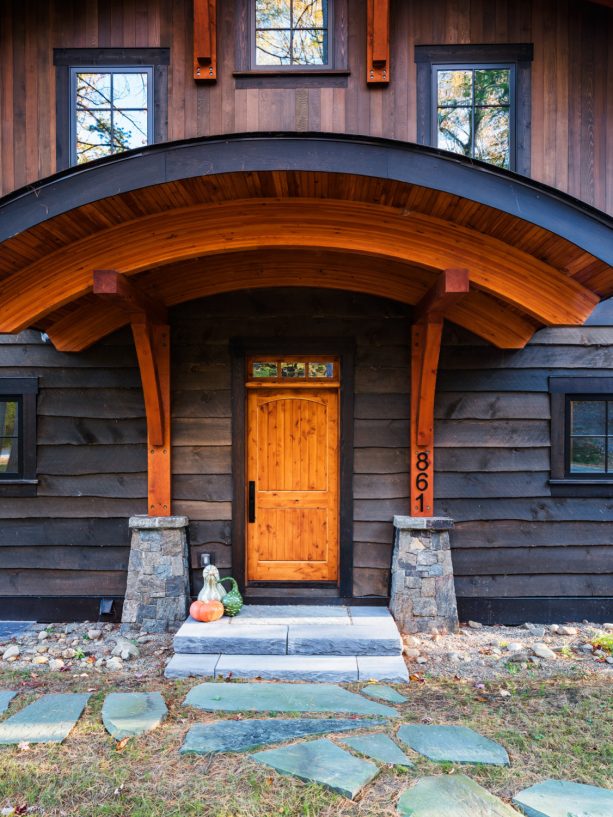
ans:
(206, 216)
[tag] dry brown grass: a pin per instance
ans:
(551, 729)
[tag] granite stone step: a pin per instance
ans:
(358, 639)
(223, 637)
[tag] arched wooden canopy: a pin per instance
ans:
(191, 219)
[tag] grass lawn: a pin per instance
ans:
(554, 728)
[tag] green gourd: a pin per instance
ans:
(232, 601)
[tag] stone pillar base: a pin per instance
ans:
(423, 593)
(157, 591)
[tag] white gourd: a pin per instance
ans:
(211, 590)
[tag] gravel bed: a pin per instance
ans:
(474, 652)
(489, 653)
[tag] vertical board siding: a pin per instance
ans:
(572, 78)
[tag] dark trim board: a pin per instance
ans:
(389, 159)
(345, 349)
(538, 610)
(46, 609)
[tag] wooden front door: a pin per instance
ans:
(293, 484)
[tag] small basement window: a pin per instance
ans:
(18, 436)
(582, 433)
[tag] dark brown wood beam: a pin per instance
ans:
(205, 40)
(450, 287)
(426, 334)
(112, 286)
(377, 42)
(149, 322)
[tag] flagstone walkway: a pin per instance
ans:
(50, 718)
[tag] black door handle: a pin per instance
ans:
(252, 501)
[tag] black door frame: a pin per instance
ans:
(344, 349)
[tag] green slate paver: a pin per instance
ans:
(559, 798)
(6, 696)
(323, 762)
(240, 736)
(383, 693)
(127, 714)
(47, 720)
(379, 747)
(456, 744)
(282, 698)
(451, 796)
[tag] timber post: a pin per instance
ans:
(426, 335)
(151, 332)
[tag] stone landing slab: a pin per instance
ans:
(294, 643)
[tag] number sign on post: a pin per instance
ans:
(425, 350)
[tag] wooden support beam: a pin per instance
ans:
(113, 286)
(450, 287)
(148, 319)
(205, 40)
(378, 42)
(426, 336)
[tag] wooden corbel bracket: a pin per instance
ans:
(205, 40)
(378, 42)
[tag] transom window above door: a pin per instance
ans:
(290, 33)
(289, 368)
(112, 111)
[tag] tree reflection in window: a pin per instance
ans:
(591, 436)
(291, 32)
(474, 112)
(9, 438)
(112, 112)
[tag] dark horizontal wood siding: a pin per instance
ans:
(202, 407)
(72, 539)
(512, 538)
(572, 78)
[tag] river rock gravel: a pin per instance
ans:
(480, 653)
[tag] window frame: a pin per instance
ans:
(69, 61)
(518, 56)
(107, 69)
(25, 391)
(562, 391)
(474, 66)
(248, 74)
(324, 66)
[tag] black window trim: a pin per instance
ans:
(25, 390)
(249, 75)
(96, 59)
(562, 391)
(475, 66)
(103, 69)
(325, 66)
(518, 55)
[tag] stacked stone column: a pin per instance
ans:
(157, 591)
(423, 592)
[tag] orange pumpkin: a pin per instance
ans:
(206, 610)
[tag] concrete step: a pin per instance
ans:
(294, 630)
(330, 668)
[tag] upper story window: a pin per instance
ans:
(109, 100)
(473, 114)
(290, 32)
(111, 111)
(475, 101)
